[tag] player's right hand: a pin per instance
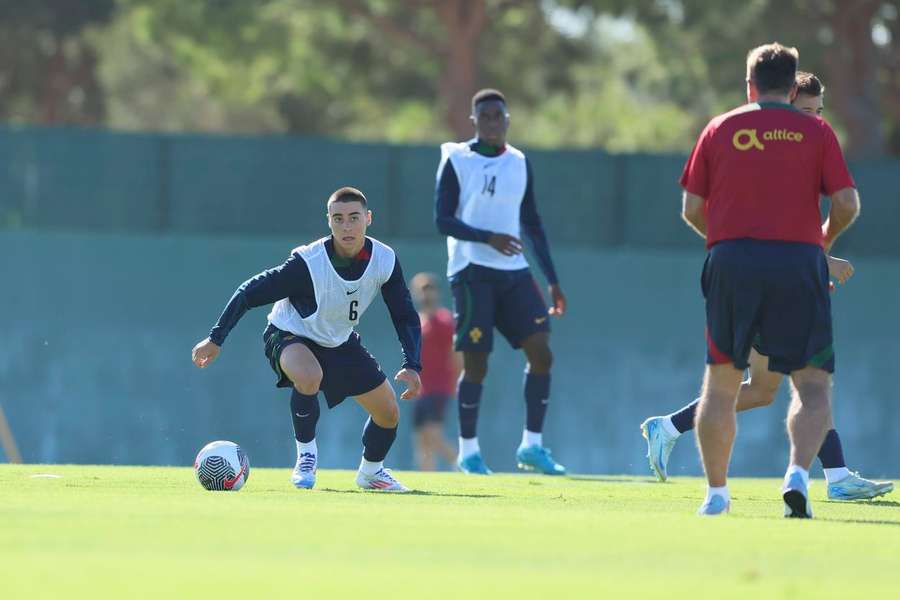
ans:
(505, 244)
(205, 352)
(839, 269)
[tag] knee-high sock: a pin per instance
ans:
(683, 420)
(537, 394)
(377, 441)
(832, 453)
(305, 414)
(469, 401)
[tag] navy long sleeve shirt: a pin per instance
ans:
(447, 201)
(293, 281)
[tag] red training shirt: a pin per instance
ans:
(438, 369)
(761, 169)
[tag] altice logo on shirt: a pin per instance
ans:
(745, 139)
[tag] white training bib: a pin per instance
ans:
(339, 303)
(491, 190)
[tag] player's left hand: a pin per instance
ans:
(839, 269)
(412, 381)
(558, 308)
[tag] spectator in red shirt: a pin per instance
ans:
(752, 189)
(440, 371)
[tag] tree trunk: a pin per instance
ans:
(851, 81)
(464, 21)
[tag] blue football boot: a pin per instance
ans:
(716, 505)
(796, 498)
(537, 458)
(473, 464)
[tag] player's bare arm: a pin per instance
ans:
(693, 213)
(844, 210)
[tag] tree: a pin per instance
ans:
(47, 72)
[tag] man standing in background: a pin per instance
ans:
(440, 371)
(484, 200)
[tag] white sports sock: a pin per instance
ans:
(530, 438)
(307, 447)
(717, 491)
(836, 474)
(370, 468)
(468, 446)
(797, 469)
(670, 428)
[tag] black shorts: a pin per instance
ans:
(485, 298)
(429, 409)
(772, 296)
(347, 370)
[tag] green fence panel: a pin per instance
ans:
(266, 185)
(80, 179)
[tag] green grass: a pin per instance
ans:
(139, 532)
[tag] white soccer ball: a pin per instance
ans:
(222, 465)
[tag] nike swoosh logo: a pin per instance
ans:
(353, 292)
(540, 320)
(301, 416)
(464, 405)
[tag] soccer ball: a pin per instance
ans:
(222, 465)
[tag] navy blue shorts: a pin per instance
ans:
(772, 296)
(429, 409)
(485, 298)
(348, 370)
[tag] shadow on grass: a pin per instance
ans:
(410, 493)
(866, 502)
(602, 479)
(861, 521)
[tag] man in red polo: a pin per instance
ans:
(751, 188)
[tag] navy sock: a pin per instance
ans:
(469, 401)
(377, 441)
(832, 454)
(683, 420)
(305, 414)
(537, 394)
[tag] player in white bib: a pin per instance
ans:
(483, 200)
(319, 295)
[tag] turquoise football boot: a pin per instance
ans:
(473, 464)
(537, 458)
(659, 446)
(854, 487)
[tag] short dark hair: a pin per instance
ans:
(772, 68)
(347, 194)
(485, 95)
(809, 84)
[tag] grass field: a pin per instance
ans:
(140, 532)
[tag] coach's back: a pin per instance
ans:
(761, 169)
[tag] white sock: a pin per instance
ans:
(717, 491)
(309, 447)
(468, 446)
(670, 428)
(370, 468)
(530, 438)
(797, 469)
(836, 474)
